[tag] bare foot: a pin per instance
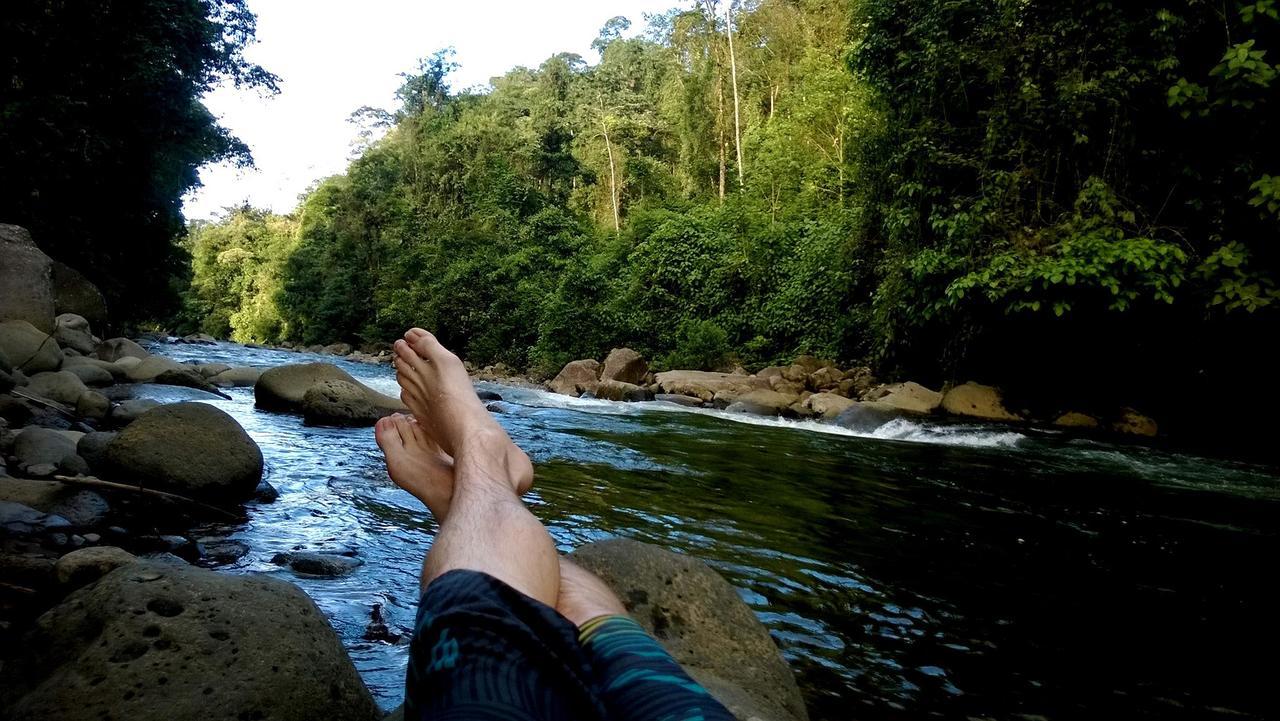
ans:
(436, 388)
(415, 462)
(583, 596)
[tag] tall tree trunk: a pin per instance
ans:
(720, 128)
(613, 174)
(733, 70)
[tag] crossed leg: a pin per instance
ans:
(483, 524)
(418, 463)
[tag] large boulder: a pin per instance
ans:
(88, 373)
(73, 293)
(61, 386)
(625, 365)
(828, 405)
(705, 385)
(113, 349)
(1131, 422)
(763, 402)
(237, 378)
(975, 400)
(910, 397)
(156, 641)
(825, 378)
(189, 448)
(577, 377)
(339, 403)
(72, 362)
(702, 622)
(26, 279)
(1075, 419)
(28, 348)
(283, 388)
(614, 390)
(72, 331)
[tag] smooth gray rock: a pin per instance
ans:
(90, 375)
(93, 405)
(339, 403)
(157, 642)
(284, 387)
(74, 293)
(35, 446)
(92, 447)
(113, 349)
(72, 331)
(26, 279)
(237, 378)
(64, 387)
(29, 349)
(700, 619)
(189, 448)
(20, 519)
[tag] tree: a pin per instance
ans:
(102, 131)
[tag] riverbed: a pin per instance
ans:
(918, 570)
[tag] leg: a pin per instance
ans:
(487, 528)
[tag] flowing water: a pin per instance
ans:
(949, 571)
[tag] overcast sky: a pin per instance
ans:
(334, 56)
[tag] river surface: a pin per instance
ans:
(947, 571)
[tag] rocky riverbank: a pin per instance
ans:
(110, 603)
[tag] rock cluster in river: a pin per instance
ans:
(807, 388)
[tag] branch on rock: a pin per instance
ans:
(92, 482)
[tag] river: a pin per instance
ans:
(944, 571)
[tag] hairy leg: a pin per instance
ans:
(486, 527)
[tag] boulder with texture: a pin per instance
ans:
(72, 331)
(701, 621)
(114, 349)
(763, 402)
(284, 387)
(866, 416)
(93, 405)
(155, 641)
(828, 405)
(704, 385)
(189, 448)
(339, 403)
(92, 447)
(74, 293)
(825, 378)
(237, 378)
(1131, 422)
(910, 397)
(624, 365)
(83, 509)
(86, 565)
(974, 400)
(152, 366)
(62, 386)
(29, 349)
(577, 377)
(612, 390)
(857, 381)
(1073, 419)
(26, 279)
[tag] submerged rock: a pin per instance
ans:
(763, 403)
(329, 565)
(828, 405)
(154, 641)
(612, 390)
(699, 618)
(688, 401)
(189, 448)
(237, 377)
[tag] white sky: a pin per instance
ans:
(334, 56)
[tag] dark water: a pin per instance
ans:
(950, 572)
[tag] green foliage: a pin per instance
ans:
(700, 345)
(102, 130)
